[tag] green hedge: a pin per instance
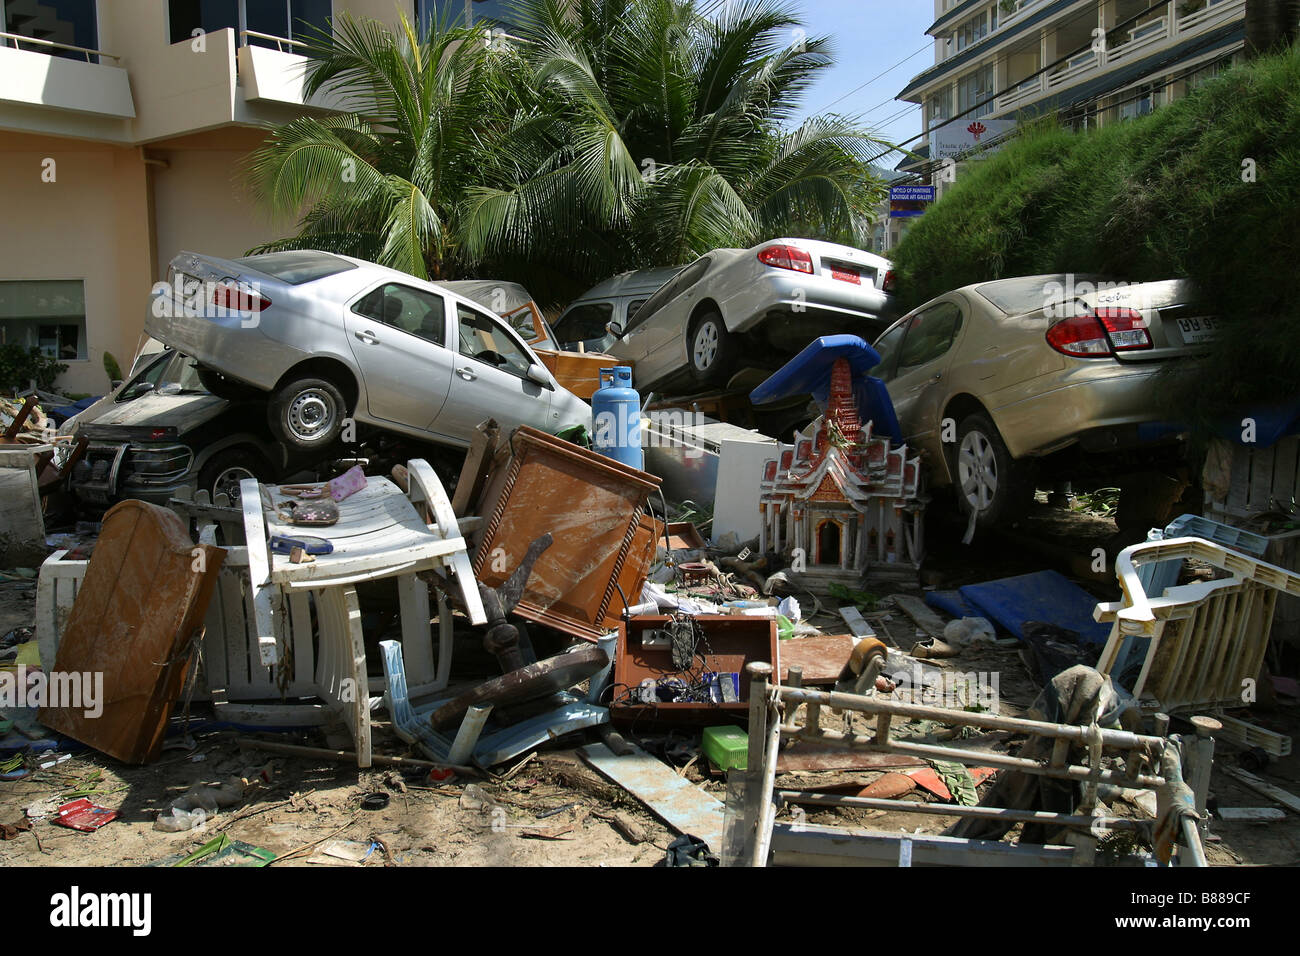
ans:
(1158, 197)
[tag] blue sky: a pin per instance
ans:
(868, 37)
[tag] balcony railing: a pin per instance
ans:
(1171, 25)
(1214, 11)
(1028, 90)
(1073, 67)
(1140, 37)
(17, 40)
(280, 42)
(1021, 7)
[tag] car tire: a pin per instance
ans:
(307, 413)
(227, 388)
(710, 349)
(224, 470)
(986, 479)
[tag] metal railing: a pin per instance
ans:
(280, 42)
(1148, 762)
(1213, 11)
(17, 40)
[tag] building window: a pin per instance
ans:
(286, 19)
(46, 314)
(70, 22)
(460, 12)
(974, 88)
(938, 108)
(972, 31)
(1141, 100)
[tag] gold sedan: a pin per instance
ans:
(993, 377)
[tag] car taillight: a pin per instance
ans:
(1082, 336)
(1103, 332)
(1126, 328)
(786, 257)
(890, 282)
(239, 300)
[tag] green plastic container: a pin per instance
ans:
(728, 747)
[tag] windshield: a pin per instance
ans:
(297, 267)
(171, 373)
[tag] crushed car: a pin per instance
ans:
(999, 379)
(770, 300)
(162, 430)
(323, 338)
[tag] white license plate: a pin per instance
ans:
(1198, 330)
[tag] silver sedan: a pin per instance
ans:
(774, 298)
(329, 337)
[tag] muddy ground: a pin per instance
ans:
(557, 811)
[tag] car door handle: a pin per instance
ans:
(368, 337)
(466, 373)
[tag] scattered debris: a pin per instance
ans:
(135, 625)
(83, 815)
(682, 805)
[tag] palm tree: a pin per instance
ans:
(657, 134)
(383, 181)
(608, 134)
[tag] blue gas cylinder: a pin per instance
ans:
(616, 417)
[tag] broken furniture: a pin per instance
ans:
(383, 531)
(594, 509)
(756, 838)
(22, 525)
(846, 501)
(474, 740)
(717, 648)
(671, 797)
(1205, 642)
(1255, 487)
(506, 641)
(137, 620)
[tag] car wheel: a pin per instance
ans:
(710, 349)
(227, 388)
(988, 481)
(226, 469)
(307, 413)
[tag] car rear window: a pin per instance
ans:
(296, 268)
(1031, 293)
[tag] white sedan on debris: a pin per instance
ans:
(324, 337)
(769, 301)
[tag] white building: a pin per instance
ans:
(1093, 61)
(122, 123)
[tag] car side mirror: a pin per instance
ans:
(615, 329)
(537, 374)
(140, 388)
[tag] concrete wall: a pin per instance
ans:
(90, 223)
(114, 221)
(200, 204)
(131, 192)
